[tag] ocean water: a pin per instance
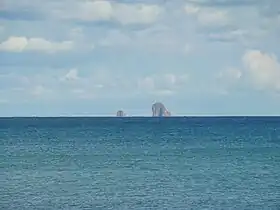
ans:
(140, 163)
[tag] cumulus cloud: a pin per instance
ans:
(89, 11)
(167, 35)
(20, 44)
(228, 36)
(217, 20)
(140, 13)
(207, 16)
(162, 84)
(103, 83)
(40, 90)
(263, 69)
(102, 10)
(71, 75)
(60, 85)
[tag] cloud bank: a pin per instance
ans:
(188, 52)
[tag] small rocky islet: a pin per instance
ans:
(158, 110)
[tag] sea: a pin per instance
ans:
(140, 163)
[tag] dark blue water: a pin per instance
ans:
(140, 163)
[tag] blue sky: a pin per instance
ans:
(94, 57)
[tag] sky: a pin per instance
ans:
(95, 57)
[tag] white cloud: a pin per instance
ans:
(207, 16)
(214, 17)
(139, 13)
(192, 10)
(40, 90)
(162, 84)
(20, 44)
(71, 75)
(108, 11)
(90, 11)
(263, 69)
(232, 35)
(229, 21)
(57, 85)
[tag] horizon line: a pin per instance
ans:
(136, 116)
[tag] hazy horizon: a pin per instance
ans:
(142, 116)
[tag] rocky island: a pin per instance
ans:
(120, 113)
(159, 110)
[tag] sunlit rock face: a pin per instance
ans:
(159, 110)
(120, 113)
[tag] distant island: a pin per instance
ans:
(120, 113)
(159, 110)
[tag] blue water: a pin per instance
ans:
(140, 163)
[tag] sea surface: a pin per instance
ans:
(140, 163)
